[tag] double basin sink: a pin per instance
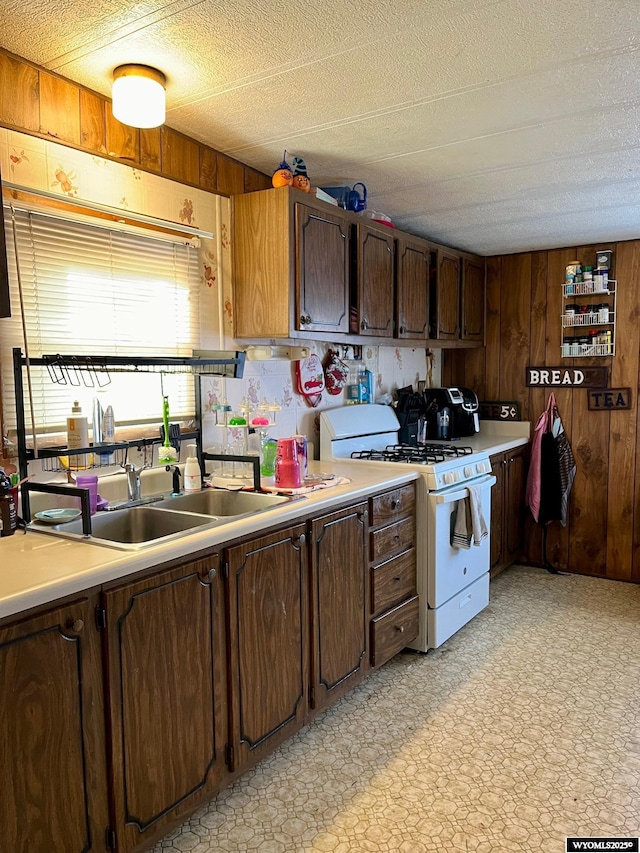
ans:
(172, 517)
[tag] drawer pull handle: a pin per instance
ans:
(211, 574)
(400, 628)
(398, 578)
(75, 625)
(395, 504)
(396, 537)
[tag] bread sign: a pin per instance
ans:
(566, 377)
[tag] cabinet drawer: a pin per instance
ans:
(393, 581)
(393, 630)
(384, 508)
(392, 539)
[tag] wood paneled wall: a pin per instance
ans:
(41, 103)
(523, 328)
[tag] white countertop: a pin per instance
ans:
(37, 568)
(497, 436)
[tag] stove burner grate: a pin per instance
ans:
(423, 454)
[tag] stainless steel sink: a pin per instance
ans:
(133, 528)
(220, 502)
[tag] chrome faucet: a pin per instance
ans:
(133, 481)
(134, 492)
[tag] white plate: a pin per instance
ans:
(57, 516)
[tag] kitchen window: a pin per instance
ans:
(90, 289)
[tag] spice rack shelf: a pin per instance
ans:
(588, 330)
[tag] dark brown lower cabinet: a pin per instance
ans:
(121, 711)
(339, 603)
(53, 795)
(268, 600)
(165, 643)
(507, 507)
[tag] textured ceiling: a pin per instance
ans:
(491, 126)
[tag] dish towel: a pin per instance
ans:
(470, 524)
(461, 536)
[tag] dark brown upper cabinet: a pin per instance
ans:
(445, 290)
(304, 268)
(457, 293)
(412, 288)
(291, 265)
(472, 299)
(373, 282)
(321, 272)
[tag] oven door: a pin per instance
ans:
(449, 569)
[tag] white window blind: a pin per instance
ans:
(92, 290)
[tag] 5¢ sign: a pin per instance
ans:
(497, 410)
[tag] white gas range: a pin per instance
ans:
(453, 582)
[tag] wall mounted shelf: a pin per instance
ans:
(588, 328)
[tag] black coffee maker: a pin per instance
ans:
(450, 413)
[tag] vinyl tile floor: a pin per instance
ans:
(520, 730)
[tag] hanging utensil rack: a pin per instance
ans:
(94, 371)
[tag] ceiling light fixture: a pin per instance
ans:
(138, 95)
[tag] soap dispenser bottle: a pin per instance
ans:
(77, 434)
(192, 478)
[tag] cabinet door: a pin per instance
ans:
(412, 289)
(339, 603)
(447, 307)
(472, 301)
(322, 271)
(516, 474)
(165, 640)
(52, 747)
(498, 463)
(268, 641)
(375, 277)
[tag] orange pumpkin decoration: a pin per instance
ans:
(300, 177)
(282, 178)
(301, 182)
(283, 175)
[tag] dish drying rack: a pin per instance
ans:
(247, 417)
(94, 372)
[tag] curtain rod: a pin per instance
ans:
(103, 208)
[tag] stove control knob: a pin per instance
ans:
(448, 478)
(468, 471)
(480, 468)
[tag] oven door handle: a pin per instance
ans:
(461, 494)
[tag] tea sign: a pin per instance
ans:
(611, 399)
